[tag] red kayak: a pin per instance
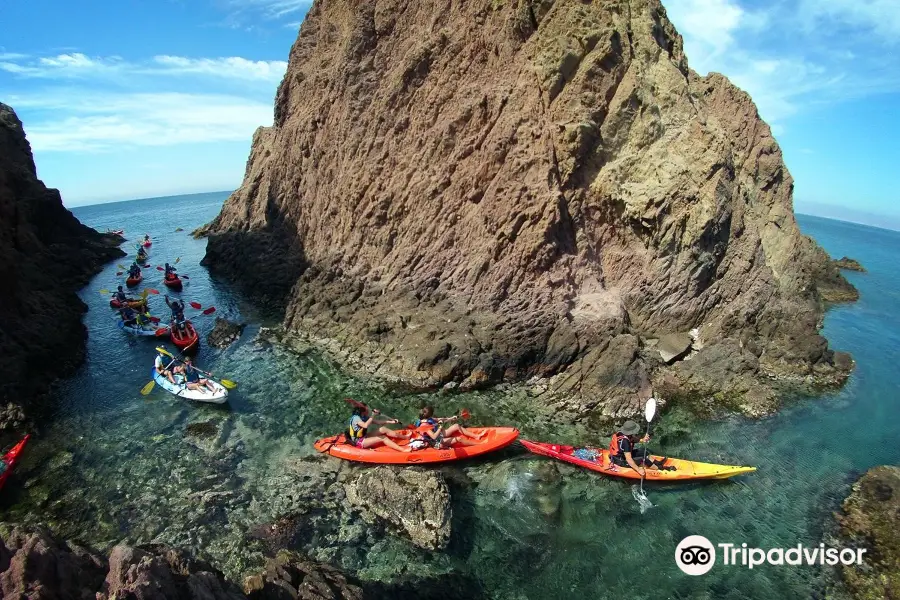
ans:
(173, 282)
(10, 458)
(131, 282)
(187, 342)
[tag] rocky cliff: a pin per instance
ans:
(484, 191)
(46, 255)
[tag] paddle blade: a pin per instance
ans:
(105, 292)
(147, 388)
(160, 269)
(229, 384)
(120, 273)
(184, 276)
(154, 319)
(196, 305)
(164, 352)
(209, 310)
(650, 409)
(153, 291)
(161, 332)
(355, 403)
(465, 414)
(177, 260)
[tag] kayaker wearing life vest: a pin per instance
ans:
(177, 307)
(134, 270)
(129, 317)
(431, 432)
(622, 450)
(161, 367)
(358, 429)
(170, 272)
(192, 376)
(120, 296)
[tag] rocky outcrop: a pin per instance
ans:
(46, 255)
(871, 520)
(224, 333)
(849, 264)
(412, 502)
(529, 190)
(35, 565)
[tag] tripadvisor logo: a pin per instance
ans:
(696, 555)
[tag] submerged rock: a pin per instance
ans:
(290, 576)
(424, 213)
(871, 520)
(46, 255)
(413, 502)
(224, 333)
(849, 264)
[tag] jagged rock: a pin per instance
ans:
(849, 264)
(413, 502)
(224, 333)
(871, 520)
(46, 255)
(288, 576)
(207, 435)
(35, 565)
(674, 346)
(523, 190)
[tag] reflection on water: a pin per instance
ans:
(108, 464)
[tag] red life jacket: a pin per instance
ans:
(615, 445)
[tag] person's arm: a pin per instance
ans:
(433, 433)
(386, 421)
(633, 464)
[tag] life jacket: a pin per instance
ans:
(615, 445)
(120, 296)
(435, 426)
(191, 374)
(354, 433)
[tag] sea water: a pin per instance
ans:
(107, 464)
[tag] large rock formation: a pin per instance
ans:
(45, 256)
(486, 191)
(871, 520)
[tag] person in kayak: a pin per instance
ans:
(177, 308)
(192, 376)
(170, 272)
(129, 317)
(161, 368)
(120, 296)
(622, 451)
(358, 431)
(146, 238)
(430, 432)
(134, 270)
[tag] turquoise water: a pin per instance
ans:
(108, 464)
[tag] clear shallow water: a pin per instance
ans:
(108, 464)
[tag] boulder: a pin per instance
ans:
(414, 503)
(871, 520)
(674, 346)
(224, 333)
(849, 264)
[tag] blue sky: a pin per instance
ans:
(135, 99)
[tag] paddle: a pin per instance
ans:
(358, 404)
(640, 496)
(196, 305)
(225, 382)
(149, 387)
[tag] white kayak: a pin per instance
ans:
(146, 330)
(201, 394)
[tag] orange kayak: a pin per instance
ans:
(685, 470)
(496, 438)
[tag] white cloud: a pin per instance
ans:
(879, 16)
(233, 66)
(92, 122)
(273, 9)
(80, 66)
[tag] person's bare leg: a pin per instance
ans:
(394, 434)
(448, 442)
(455, 429)
(375, 441)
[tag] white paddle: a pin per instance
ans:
(639, 495)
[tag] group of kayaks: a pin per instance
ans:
(497, 438)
